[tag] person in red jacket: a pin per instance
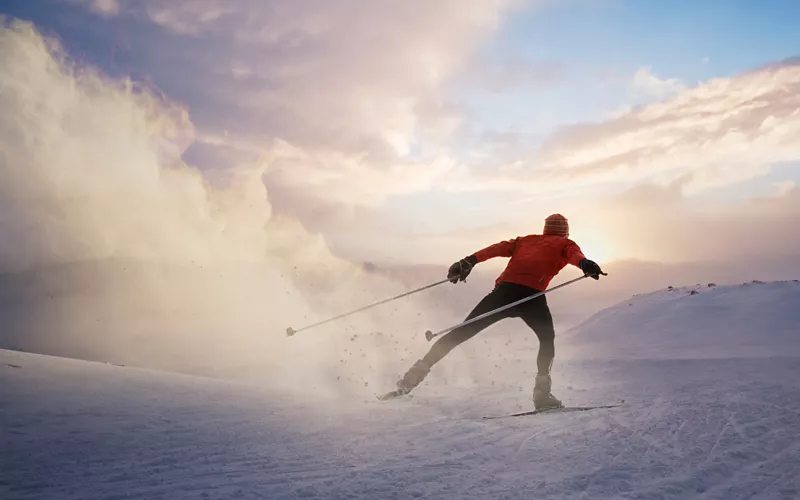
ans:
(535, 260)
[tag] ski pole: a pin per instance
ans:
(430, 335)
(290, 331)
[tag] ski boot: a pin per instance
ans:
(413, 377)
(543, 399)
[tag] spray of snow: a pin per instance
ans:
(114, 248)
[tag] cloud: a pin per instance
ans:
(349, 180)
(106, 7)
(364, 81)
(102, 7)
(189, 18)
(720, 132)
(646, 83)
(348, 103)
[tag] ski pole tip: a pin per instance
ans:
(429, 335)
(290, 331)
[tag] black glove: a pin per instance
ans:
(461, 269)
(591, 268)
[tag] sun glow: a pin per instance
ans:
(595, 246)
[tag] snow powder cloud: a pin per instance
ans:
(131, 255)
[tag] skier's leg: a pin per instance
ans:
(538, 317)
(460, 335)
(417, 373)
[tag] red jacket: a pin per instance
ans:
(535, 259)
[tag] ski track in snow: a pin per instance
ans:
(705, 429)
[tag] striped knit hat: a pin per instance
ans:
(557, 225)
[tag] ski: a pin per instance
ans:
(393, 395)
(560, 409)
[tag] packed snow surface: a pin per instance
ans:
(691, 427)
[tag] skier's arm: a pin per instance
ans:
(573, 253)
(501, 249)
(461, 269)
(576, 258)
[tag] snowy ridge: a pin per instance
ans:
(753, 319)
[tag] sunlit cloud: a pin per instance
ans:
(720, 132)
(351, 180)
(348, 104)
(646, 83)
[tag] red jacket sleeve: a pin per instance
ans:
(573, 253)
(502, 249)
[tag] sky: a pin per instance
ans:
(418, 133)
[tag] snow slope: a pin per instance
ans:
(723, 428)
(701, 321)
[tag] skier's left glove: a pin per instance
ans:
(461, 269)
(591, 268)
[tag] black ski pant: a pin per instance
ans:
(534, 312)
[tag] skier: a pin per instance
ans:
(535, 260)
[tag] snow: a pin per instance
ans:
(693, 426)
(701, 321)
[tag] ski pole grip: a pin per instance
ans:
(429, 335)
(290, 331)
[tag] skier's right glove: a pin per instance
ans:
(461, 269)
(591, 268)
